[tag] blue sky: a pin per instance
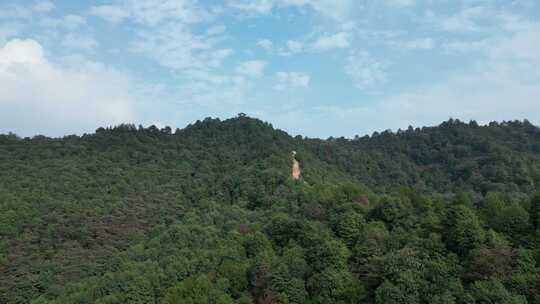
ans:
(313, 67)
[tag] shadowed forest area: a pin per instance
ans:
(211, 214)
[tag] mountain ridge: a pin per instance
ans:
(414, 152)
(72, 206)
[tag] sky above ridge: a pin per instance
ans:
(312, 67)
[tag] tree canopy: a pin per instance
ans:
(211, 214)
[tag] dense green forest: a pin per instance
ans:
(210, 214)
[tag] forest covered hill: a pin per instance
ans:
(210, 214)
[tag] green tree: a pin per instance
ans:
(464, 231)
(348, 226)
(535, 211)
(199, 290)
(507, 217)
(493, 292)
(335, 286)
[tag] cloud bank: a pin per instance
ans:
(75, 96)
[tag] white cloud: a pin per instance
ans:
(175, 46)
(79, 42)
(291, 80)
(466, 46)
(16, 11)
(21, 52)
(265, 44)
(365, 70)
(8, 30)
(216, 30)
(339, 40)
(468, 19)
(252, 68)
(295, 2)
(69, 22)
(207, 77)
(262, 7)
(520, 43)
(152, 12)
(44, 6)
(419, 44)
(293, 47)
(56, 99)
(523, 44)
(169, 32)
(400, 3)
(111, 13)
(335, 9)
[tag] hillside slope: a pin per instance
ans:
(452, 157)
(139, 215)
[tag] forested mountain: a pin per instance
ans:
(211, 214)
